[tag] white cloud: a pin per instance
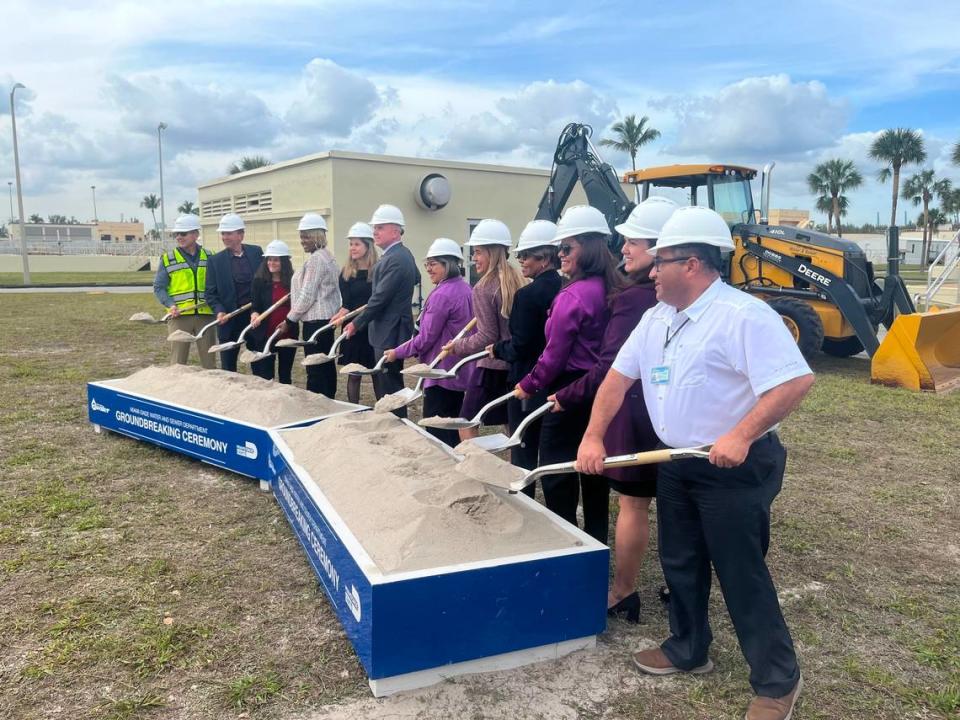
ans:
(334, 100)
(756, 118)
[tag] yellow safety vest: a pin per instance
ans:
(187, 285)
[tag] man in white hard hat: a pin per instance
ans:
(180, 286)
(389, 313)
(718, 367)
(229, 280)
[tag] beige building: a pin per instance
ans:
(346, 187)
(789, 217)
(119, 232)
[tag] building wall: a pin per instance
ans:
(118, 232)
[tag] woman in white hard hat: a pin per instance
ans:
(492, 299)
(630, 431)
(539, 262)
(355, 289)
(574, 333)
(446, 311)
(315, 298)
(271, 282)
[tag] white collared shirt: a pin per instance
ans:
(721, 353)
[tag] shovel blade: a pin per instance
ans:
(223, 346)
(493, 443)
(429, 374)
(448, 423)
(288, 342)
(318, 359)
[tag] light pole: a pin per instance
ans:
(163, 217)
(93, 188)
(16, 164)
(10, 188)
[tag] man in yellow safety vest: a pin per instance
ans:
(180, 286)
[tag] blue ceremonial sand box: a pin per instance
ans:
(412, 629)
(234, 445)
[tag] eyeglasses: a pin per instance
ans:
(180, 234)
(658, 261)
(521, 256)
(565, 249)
(430, 264)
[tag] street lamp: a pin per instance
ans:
(10, 188)
(16, 164)
(94, 189)
(163, 216)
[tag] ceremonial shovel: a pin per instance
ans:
(239, 341)
(615, 461)
(437, 374)
(320, 358)
(290, 342)
(266, 352)
(185, 337)
(148, 319)
(464, 423)
(499, 441)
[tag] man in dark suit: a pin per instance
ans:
(229, 278)
(389, 312)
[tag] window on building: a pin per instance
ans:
(106, 238)
(215, 208)
(129, 238)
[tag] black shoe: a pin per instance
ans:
(629, 606)
(664, 594)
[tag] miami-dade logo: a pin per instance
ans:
(353, 601)
(97, 407)
(247, 450)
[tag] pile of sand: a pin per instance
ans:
(352, 368)
(409, 503)
(239, 397)
(419, 368)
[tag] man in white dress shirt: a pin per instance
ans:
(718, 367)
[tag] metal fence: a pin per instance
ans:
(73, 247)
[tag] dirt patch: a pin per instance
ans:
(408, 502)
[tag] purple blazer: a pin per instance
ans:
(630, 430)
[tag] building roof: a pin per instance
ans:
(370, 157)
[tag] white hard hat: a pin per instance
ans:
(277, 248)
(186, 223)
(490, 232)
(444, 247)
(647, 218)
(387, 215)
(537, 233)
(360, 230)
(230, 223)
(579, 220)
(694, 224)
(312, 221)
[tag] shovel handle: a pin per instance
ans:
(531, 418)
(492, 404)
(266, 312)
(188, 308)
(239, 310)
(443, 353)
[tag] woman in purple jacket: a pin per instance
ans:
(630, 431)
(492, 299)
(446, 312)
(574, 332)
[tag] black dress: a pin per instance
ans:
(354, 293)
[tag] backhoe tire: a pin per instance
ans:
(803, 323)
(848, 347)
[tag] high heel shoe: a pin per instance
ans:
(629, 606)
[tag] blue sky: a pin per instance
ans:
(744, 82)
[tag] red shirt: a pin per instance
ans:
(279, 315)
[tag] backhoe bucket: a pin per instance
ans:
(920, 352)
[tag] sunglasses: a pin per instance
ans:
(533, 256)
(565, 249)
(658, 261)
(180, 234)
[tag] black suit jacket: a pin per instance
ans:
(389, 312)
(528, 318)
(221, 293)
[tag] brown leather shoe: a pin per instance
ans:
(655, 662)
(764, 708)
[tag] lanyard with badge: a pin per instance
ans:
(660, 375)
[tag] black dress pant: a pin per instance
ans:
(709, 515)
(320, 378)
(389, 381)
(229, 332)
(280, 362)
(442, 402)
(526, 454)
(560, 436)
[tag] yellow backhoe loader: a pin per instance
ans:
(822, 286)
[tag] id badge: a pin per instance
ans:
(660, 375)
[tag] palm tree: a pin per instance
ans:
(825, 205)
(897, 148)
(832, 178)
(631, 136)
(951, 204)
(36, 219)
(955, 157)
(248, 162)
(187, 208)
(920, 189)
(151, 202)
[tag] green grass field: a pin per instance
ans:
(135, 583)
(79, 278)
